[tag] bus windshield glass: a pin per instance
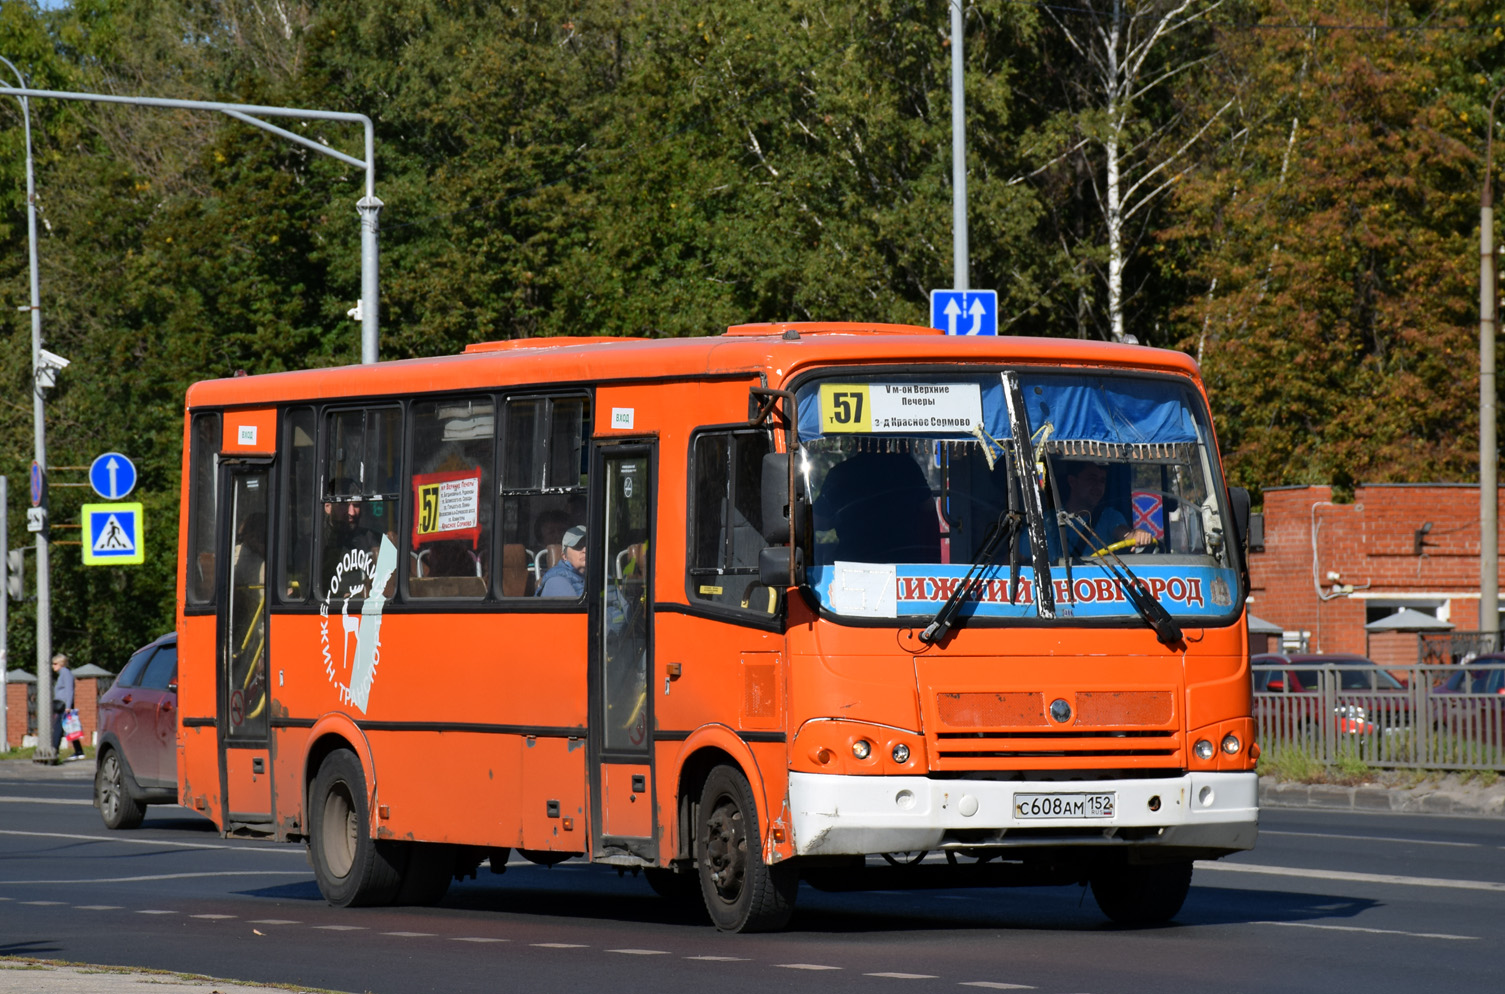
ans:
(1086, 470)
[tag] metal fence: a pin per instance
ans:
(1412, 717)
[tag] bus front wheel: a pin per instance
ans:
(1141, 895)
(742, 893)
(351, 867)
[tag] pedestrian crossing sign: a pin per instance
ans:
(112, 534)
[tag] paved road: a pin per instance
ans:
(1328, 902)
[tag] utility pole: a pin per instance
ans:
(959, 261)
(1489, 511)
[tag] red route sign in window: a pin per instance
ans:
(447, 506)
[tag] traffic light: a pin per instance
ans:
(15, 575)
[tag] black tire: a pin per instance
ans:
(741, 892)
(1141, 895)
(425, 879)
(351, 868)
(116, 805)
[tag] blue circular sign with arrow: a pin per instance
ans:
(112, 476)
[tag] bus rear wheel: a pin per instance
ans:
(742, 893)
(1141, 895)
(351, 868)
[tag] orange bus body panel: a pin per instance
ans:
(477, 726)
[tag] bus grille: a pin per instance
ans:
(1008, 730)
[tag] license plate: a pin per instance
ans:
(1064, 805)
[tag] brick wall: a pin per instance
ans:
(1370, 544)
(17, 714)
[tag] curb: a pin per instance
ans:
(1447, 798)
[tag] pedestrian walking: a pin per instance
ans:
(62, 705)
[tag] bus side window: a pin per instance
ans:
(361, 499)
(203, 463)
(296, 517)
(453, 446)
(543, 491)
(726, 522)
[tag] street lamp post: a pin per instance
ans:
(1489, 525)
(960, 262)
(369, 206)
(44, 753)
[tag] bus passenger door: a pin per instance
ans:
(620, 591)
(243, 695)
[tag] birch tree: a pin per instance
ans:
(1123, 131)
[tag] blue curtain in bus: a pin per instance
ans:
(1109, 408)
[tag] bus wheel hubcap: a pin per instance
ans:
(726, 850)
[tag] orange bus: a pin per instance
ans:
(799, 601)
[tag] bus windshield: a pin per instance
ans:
(1088, 471)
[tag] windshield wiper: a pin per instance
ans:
(1151, 610)
(1005, 529)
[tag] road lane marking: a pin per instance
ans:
(286, 921)
(994, 985)
(42, 904)
(45, 800)
(342, 928)
(212, 917)
(1372, 838)
(155, 911)
(270, 847)
(805, 966)
(97, 907)
(1374, 931)
(904, 976)
(640, 952)
(721, 959)
(476, 938)
(1348, 875)
(412, 935)
(168, 876)
(558, 945)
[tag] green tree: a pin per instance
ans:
(1332, 243)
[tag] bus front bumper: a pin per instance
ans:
(1201, 815)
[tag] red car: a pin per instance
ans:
(136, 763)
(1360, 689)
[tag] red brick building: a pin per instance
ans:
(1326, 569)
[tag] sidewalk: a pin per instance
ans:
(1447, 796)
(22, 976)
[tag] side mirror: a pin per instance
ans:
(1238, 501)
(775, 498)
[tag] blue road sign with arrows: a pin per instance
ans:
(112, 476)
(964, 312)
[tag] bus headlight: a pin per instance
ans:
(862, 748)
(1203, 749)
(1231, 744)
(901, 753)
